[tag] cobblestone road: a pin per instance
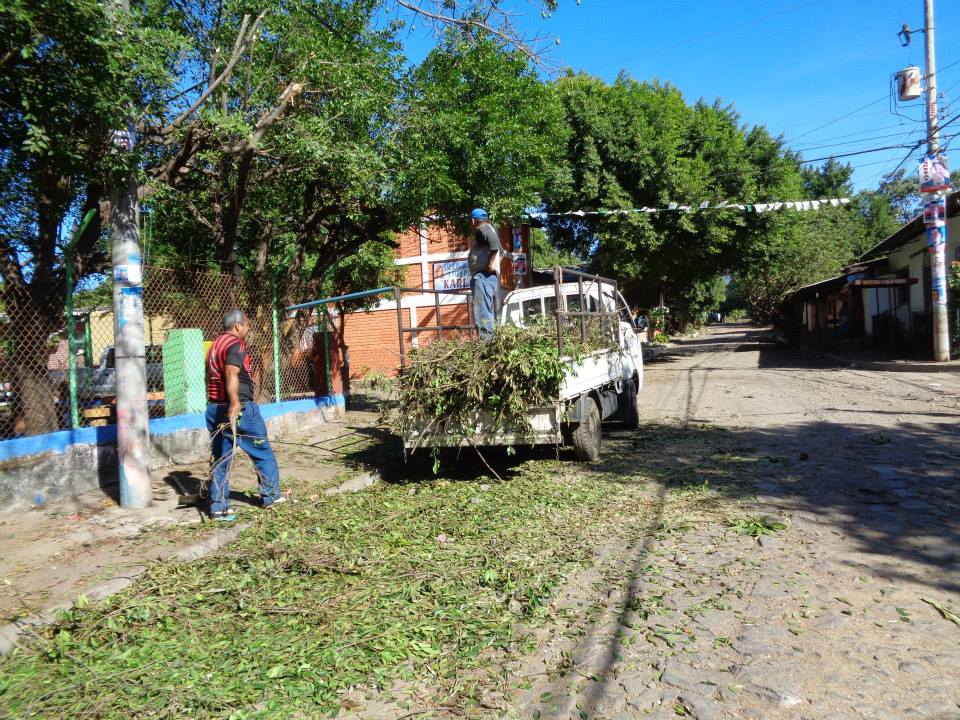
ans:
(835, 615)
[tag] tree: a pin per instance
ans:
(480, 129)
(544, 254)
(633, 145)
(65, 88)
(260, 132)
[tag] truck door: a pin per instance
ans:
(631, 338)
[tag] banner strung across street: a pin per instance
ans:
(705, 206)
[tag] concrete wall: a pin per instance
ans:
(67, 464)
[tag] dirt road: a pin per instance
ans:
(833, 616)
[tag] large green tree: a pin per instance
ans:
(479, 129)
(65, 86)
(268, 138)
(634, 144)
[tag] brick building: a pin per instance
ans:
(434, 256)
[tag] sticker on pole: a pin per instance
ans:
(131, 305)
(938, 291)
(935, 213)
(519, 263)
(934, 174)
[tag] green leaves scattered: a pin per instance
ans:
(755, 527)
(314, 599)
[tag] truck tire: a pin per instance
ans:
(586, 436)
(630, 409)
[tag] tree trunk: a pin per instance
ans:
(35, 405)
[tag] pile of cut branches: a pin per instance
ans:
(448, 383)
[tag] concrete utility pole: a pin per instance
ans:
(133, 429)
(938, 272)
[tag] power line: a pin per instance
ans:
(844, 117)
(854, 142)
(864, 107)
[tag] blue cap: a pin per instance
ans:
(479, 214)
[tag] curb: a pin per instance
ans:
(355, 484)
(922, 366)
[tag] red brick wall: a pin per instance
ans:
(409, 243)
(414, 276)
(444, 238)
(372, 340)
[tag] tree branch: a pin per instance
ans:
(268, 120)
(484, 25)
(244, 38)
(168, 173)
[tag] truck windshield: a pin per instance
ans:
(532, 308)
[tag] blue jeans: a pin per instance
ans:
(484, 288)
(252, 436)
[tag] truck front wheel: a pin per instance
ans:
(586, 436)
(630, 409)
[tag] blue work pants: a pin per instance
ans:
(484, 288)
(252, 439)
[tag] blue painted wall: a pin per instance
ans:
(58, 442)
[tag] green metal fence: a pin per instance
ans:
(61, 375)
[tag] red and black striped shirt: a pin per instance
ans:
(228, 349)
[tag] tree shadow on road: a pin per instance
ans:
(894, 496)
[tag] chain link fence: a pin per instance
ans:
(57, 367)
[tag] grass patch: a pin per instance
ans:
(357, 590)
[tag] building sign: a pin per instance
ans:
(454, 275)
(934, 174)
(884, 282)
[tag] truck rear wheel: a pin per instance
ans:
(586, 436)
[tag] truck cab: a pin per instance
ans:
(525, 305)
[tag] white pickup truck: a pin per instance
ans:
(604, 385)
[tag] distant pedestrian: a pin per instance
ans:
(484, 259)
(230, 393)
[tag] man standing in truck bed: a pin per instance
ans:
(483, 261)
(230, 394)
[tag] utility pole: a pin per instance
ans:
(133, 429)
(938, 271)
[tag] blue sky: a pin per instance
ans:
(796, 66)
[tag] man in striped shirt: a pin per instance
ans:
(230, 393)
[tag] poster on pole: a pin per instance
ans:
(935, 213)
(934, 174)
(936, 237)
(519, 263)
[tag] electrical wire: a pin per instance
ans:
(885, 96)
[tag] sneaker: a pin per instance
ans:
(278, 501)
(223, 516)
